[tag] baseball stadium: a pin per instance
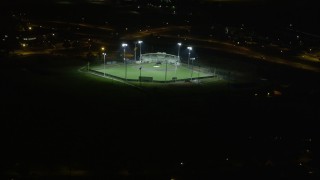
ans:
(153, 67)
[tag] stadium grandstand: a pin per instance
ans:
(160, 57)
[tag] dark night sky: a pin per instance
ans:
(297, 11)
(276, 2)
(282, 3)
(299, 6)
(286, 4)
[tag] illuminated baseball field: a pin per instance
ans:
(159, 72)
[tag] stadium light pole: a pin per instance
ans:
(140, 75)
(179, 44)
(175, 70)
(165, 78)
(124, 45)
(140, 42)
(199, 70)
(102, 49)
(189, 48)
(192, 59)
(135, 51)
(104, 63)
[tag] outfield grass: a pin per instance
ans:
(158, 72)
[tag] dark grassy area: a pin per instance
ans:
(56, 119)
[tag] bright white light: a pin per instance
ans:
(140, 42)
(124, 45)
(190, 48)
(179, 44)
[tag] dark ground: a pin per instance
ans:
(57, 120)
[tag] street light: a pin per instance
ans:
(189, 48)
(104, 62)
(124, 45)
(140, 42)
